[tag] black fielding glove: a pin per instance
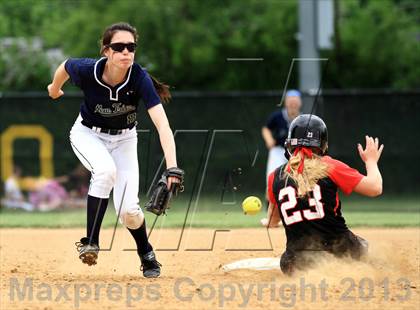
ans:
(161, 195)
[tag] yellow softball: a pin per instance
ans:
(251, 205)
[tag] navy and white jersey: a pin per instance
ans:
(278, 123)
(112, 107)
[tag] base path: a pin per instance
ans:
(40, 270)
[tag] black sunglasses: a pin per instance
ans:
(119, 47)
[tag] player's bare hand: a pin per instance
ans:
(270, 144)
(172, 180)
(372, 152)
(53, 92)
(264, 222)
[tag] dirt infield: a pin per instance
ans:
(40, 270)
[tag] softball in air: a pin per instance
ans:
(251, 205)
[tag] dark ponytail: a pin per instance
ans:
(162, 90)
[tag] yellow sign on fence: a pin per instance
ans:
(15, 132)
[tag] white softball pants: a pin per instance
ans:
(276, 158)
(113, 163)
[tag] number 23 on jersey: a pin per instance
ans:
(298, 215)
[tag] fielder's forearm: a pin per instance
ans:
(268, 137)
(158, 116)
(168, 145)
(60, 77)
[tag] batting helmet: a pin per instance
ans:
(307, 130)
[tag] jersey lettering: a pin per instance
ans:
(131, 118)
(315, 202)
(291, 203)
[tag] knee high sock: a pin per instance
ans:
(96, 208)
(142, 242)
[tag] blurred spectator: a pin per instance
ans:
(67, 191)
(77, 186)
(13, 196)
(48, 195)
(276, 129)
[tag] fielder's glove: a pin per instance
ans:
(161, 195)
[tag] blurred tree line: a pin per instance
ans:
(186, 42)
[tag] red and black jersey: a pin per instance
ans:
(313, 221)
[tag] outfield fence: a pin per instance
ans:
(218, 136)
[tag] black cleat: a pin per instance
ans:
(149, 265)
(88, 253)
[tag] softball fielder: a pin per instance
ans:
(104, 136)
(275, 130)
(304, 194)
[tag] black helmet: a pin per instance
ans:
(307, 130)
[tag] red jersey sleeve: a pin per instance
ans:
(345, 177)
(270, 193)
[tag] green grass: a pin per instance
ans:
(392, 204)
(359, 211)
(382, 219)
(77, 218)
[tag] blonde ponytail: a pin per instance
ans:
(313, 170)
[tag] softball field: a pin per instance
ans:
(40, 270)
